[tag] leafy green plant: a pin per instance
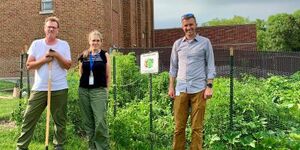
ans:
(266, 111)
(259, 122)
(130, 84)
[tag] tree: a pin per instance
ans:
(233, 21)
(282, 33)
(260, 34)
(296, 14)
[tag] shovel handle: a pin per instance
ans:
(48, 105)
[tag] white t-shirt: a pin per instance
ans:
(37, 50)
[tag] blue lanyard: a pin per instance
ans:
(91, 62)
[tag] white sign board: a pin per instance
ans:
(149, 62)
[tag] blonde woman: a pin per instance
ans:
(94, 82)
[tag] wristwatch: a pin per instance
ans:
(210, 85)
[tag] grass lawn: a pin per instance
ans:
(8, 137)
(7, 106)
(9, 132)
(6, 85)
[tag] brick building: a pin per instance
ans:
(124, 23)
(239, 37)
(242, 37)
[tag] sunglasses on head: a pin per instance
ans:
(187, 16)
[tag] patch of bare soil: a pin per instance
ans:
(7, 124)
(6, 97)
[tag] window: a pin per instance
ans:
(46, 6)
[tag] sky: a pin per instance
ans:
(167, 13)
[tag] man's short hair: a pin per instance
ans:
(188, 16)
(52, 19)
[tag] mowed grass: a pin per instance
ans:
(8, 138)
(6, 85)
(9, 132)
(7, 106)
(9, 135)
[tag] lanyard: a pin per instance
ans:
(91, 62)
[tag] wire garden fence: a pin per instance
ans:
(230, 64)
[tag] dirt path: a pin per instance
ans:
(6, 97)
(7, 124)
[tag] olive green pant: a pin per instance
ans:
(35, 107)
(93, 105)
(182, 104)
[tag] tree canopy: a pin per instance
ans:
(233, 21)
(280, 32)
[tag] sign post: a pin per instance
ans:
(149, 64)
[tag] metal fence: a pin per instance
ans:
(228, 64)
(257, 63)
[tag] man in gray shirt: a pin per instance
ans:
(192, 65)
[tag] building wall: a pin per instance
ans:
(121, 21)
(241, 37)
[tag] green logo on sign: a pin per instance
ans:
(149, 63)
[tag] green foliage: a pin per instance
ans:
(236, 20)
(280, 32)
(296, 14)
(259, 122)
(73, 101)
(19, 111)
(266, 112)
(128, 78)
(283, 33)
(160, 84)
(261, 34)
(130, 129)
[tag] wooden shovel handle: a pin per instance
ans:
(48, 104)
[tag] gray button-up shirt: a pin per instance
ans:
(192, 64)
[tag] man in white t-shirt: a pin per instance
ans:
(39, 56)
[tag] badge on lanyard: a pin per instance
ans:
(91, 77)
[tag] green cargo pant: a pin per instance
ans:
(93, 105)
(35, 107)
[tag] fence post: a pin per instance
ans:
(28, 77)
(27, 71)
(231, 90)
(111, 50)
(150, 99)
(21, 75)
(115, 86)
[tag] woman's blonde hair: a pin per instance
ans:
(92, 33)
(95, 32)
